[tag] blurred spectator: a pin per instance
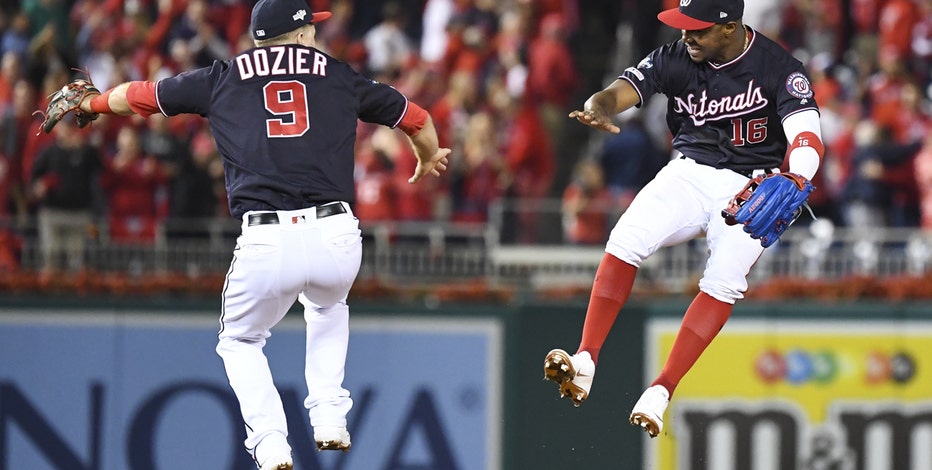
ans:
(376, 197)
(452, 110)
(16, 37)
(923, 169)
(232, 18)
(333, 35)
(388, 47)
(198, 191)
(829, 93)
(10, 243)
(65, 185)
(511, 47)
(913, 119)
(172, 153)
(10, 73)
(764, 16)
(868, 197)
(469, 38)
(156, 38)
(476, 181)
(131, 180)
(529, 163)
(895, 26)
(810, 25)
(414, 202)
(50, 29)
(587, 205)
(885, 86)
(908, 129)
(15, 119)
(922, 44)
(469, 52)
(199, 36)
(16, 124)
(37, 141)
(629, 160)
(552, 76)
(437, 14)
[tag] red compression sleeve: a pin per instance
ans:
(101, 103)
(141, 98)
(414, 119)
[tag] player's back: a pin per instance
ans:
(284, 118)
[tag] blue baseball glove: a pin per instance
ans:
(768, 204)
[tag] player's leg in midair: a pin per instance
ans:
(338, 257)
(252, 305)
(724, 281)
(661, 214)
(327, 401)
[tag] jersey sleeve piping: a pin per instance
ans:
(402, 115)
(638, 90)
(158, 102)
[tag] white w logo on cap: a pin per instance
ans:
(685, 3)
(299, 15)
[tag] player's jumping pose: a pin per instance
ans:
(737, 102)
(284, 116)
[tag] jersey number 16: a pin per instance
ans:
(755, 134)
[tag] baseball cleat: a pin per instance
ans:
(332, 438)
(278, 462)
(649, 409)
(573, 374)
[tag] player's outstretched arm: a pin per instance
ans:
(112, 101)
(136, 97)
(431, 159)
(82, 98)
(115, 99)
(599, 109)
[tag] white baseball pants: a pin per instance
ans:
(683, 201)
(300, 258)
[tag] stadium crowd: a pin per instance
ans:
(498, 76)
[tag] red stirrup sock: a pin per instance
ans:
(704, 318)
(610, 289)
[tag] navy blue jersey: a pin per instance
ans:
(727, 115)
(284, 118)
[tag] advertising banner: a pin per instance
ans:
(799, 395)
(147, 391)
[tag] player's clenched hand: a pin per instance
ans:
(599, 121)
(434, 165)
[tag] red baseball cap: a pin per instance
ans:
(272, 18)
(701, 14)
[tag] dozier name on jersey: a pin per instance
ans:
(280, 60)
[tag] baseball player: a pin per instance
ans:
(738, 102)
(284, 116)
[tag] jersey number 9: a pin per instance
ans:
(288, 100)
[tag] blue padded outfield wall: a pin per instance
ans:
(122, 385)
